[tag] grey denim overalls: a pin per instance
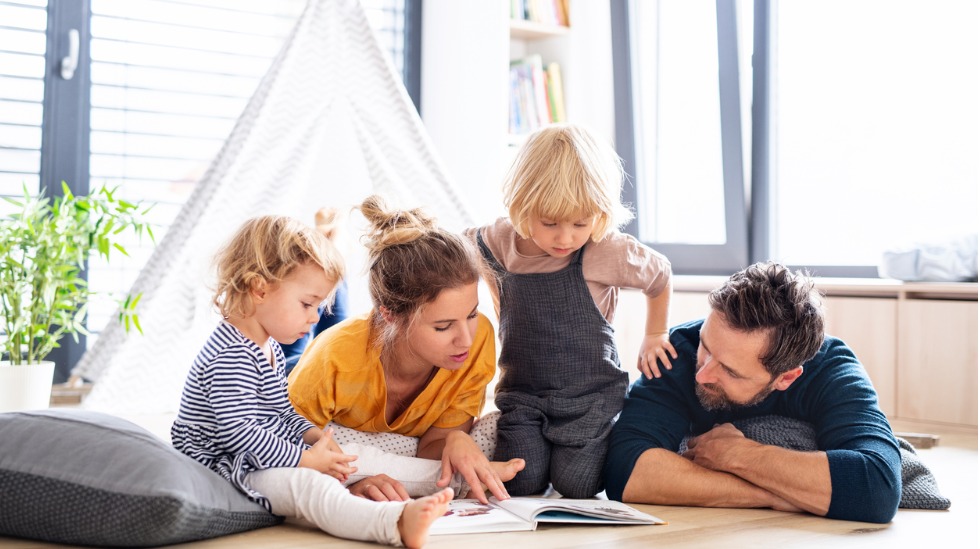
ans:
(560, 386)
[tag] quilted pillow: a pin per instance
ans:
(88, 478)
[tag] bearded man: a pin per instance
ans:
(761, 351)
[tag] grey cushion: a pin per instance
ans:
(88, 478)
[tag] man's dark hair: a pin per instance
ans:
(768, 296)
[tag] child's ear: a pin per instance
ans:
(259, 288)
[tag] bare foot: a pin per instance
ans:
(418, 515)
(326, 221)
(507, 470)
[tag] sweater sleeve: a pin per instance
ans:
(865, 463)
(656, 413)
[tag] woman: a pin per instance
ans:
(418, 364)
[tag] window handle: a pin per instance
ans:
(70, 62)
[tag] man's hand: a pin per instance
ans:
(717, 448)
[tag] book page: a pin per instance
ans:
(564, 510)
(469, 516)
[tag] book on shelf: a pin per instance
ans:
(556, 97)
(545, 12)
(536, 95)
(469, 516)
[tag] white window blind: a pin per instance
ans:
(22, 47)
(169, 79)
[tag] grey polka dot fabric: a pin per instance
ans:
(484, 433)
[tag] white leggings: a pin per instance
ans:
(394, 455)
(313, 497)
(309, 496)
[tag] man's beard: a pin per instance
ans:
(719, 401)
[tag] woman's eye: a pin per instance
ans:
(442, 328)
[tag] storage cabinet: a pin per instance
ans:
(937, 361)
(868, 325)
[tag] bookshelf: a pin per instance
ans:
(522, 29)
(467, 49)
(536, 96)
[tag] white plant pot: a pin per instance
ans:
(25, 387)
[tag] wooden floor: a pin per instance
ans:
(953, 462)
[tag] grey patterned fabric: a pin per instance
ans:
(919, 487)
(330, 123)
(86, 478)
(560, 384)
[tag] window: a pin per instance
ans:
(848, 127)
(159, 86)
(680, 129)
(875, 133)
(22, 47)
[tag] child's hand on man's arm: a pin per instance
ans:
(656, 343)
(655, 346)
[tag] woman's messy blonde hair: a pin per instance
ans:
(564, 173)
(411, 261)
(267, 249)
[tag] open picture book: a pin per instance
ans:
(469, 516)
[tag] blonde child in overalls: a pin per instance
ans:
(561, 261)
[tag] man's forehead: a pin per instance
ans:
(735, 348)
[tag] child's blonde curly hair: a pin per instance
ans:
(267, 249)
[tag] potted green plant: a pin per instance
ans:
(44, 245)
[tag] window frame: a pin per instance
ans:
(65, 131)
(704, 259)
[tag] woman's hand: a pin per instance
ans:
(379, 488)
(462, 455)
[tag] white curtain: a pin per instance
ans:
(329, 124)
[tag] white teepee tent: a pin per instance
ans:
(329, 124)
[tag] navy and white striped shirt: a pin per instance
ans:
(235, 416)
